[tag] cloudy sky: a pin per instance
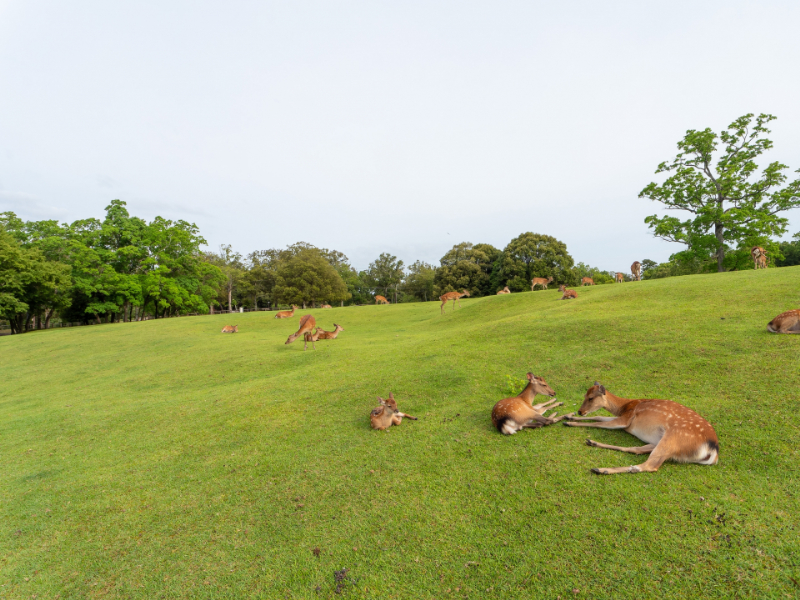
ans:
(382, 126)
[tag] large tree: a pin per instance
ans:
(307, 277)
(420, 280)
(385, 273)
(535, 255)
(732, 205)
(469, 267)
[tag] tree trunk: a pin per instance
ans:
(342, 304)
(718, 230)
(48, 313)
(230, 293)
(304, 304)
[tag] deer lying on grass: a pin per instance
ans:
(672, 431)
(636, 271)
(329, 335)
(505, 290)
(307, 323)
(619, 277)
(286, 314)
(326, 306)
(788, 322)
(568, 294)
(381, 300)
(511, 415)
(759, 257)
(230, 329)
(386, 415)
(454, 296)
(541, 281)
(587, 281)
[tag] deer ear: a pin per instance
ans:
(531, 376)
(391, 396)
(597, 383)
(602, 389)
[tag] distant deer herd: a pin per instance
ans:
(670, 430)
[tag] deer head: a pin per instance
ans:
(540, 386)
(337, 327)
(595, 399)
(465, 292)
(389, 402)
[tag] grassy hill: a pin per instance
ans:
(166, 460)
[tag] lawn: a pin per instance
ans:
(164, 459)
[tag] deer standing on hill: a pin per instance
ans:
(307, 323)
(454, 296)
(386, 415)
(586, 281)
(230, 329)
(511, 415)
(759, 257)
(381, 300)
(541, 281)
(672, 431)
(505, 290)
(788, 322)
(568, 294)
(285, 314)
(619, 277)
(636, 271)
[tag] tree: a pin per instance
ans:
(385, 273)
(598, 276)
(469, 267)
(535, 255)
(790, 252)
(420, 280)
(731, 204)
(230, 263)
(307, 277)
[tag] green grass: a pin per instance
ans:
(167, 460)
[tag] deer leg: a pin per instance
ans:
(573, 418)
(539, 407)
(613, 423)
(631, 450)
(651, 465)
(407, 416)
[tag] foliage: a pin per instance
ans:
(534, 255)
(790, 252)
(307, 277)
(582, 270)
(385, 273)
(733, 207)
(419, 282)
(469, 267)
(233, 270)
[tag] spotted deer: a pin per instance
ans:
(619, 277)
(672, 431)
(505, 290)
(230, 329)
(788, 322)
(636, 271)
(454, 296)
(381, 300)
(511, 415)
(586, 281)
(286, 314)
(541, 281)
(387, 414)
(568, 294)
(329, 335)
(307, 323)
(759, 257)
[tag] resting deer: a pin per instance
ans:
(511, 415)
(568, 294)
(619, 277)
(672, 431)
(587, 281)
(326, 306)
(307, 323)
(788, 322)
(636, 271)
(541, 281)
(759, 257)
(454, 296)
(381, 300)
(505, 290)
(230, 329)
(386, 415)
(329, 335)
(285, 314)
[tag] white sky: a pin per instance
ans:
(374, 126)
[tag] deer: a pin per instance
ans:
(671, 430)
(636, 270)
(286, 314)
(329, 335)
(230, 329)
(454, 296)
(511, 415)
(381, 300)
(326, 306)
(386, 415)
(619, 277)
(307, 323)
(310, 337)
(586, 281)
(787, 322)
(759, 257)
(541, 281)
(568, 294)
(505, 290)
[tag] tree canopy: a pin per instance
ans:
(732, 206)
(469, 267)
(307, 277)
(535, 255)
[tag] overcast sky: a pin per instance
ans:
(373, 126)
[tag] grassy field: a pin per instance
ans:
(166, 460)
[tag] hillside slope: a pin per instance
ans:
(166, 460)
